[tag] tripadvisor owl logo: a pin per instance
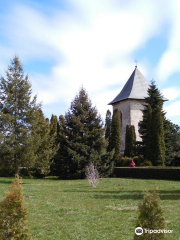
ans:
(139, 231)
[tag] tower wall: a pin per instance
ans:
(131, 111)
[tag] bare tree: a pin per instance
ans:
(92, 174)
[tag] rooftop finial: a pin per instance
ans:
(136, 61)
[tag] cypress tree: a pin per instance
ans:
(13, 214)
(54, 135)
(17, 112)
(108, 122)
(43, 142)
(158, 144)
(151, 217)
(85, 137)
(116, 135)
(130, 140)
(149, 140)
(127, 140)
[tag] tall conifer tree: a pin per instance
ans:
(17, 112)
(85, 137)
(130, 140)
(157, 144)
(116, 135)
(108, 123)
(151, 136)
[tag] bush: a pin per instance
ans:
(151, 217)
(138, 160)
(124, 161)
(146, 163)
(13, 214)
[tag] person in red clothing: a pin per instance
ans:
(132, 164)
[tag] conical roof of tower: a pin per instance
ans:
(135, 88)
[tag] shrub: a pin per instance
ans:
(124, 162)
(138, 160)
(146, 163)
(13, 214)
(92, 174)
(151, 217)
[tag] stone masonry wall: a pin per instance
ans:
(131, 115)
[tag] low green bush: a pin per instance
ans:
(146, 163)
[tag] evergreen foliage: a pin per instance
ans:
(43, 142)
(158, 144)
(149, 139)
(85, 137)
(151, 127)
(108, 122)
(116, 135)
(13, 214)
(151, 217)
(55, 137)
(130, 140)
(172, 143)
(17, 112)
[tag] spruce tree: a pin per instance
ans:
(13, 214)
(151, 217)
(153, 99)
(16, 118)
(151, 137)
(85, 137)
(108, 122)
(116, 135)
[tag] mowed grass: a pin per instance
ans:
(71, 209)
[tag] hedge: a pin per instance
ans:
(166, 173)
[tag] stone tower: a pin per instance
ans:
(130, 103)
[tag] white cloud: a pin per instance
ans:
(171, 93)
(170, 60)
(173, 109)
(92, 47)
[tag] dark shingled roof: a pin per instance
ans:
(135, 88)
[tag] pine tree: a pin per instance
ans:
(108, 122)
(151, 217)
(16, 118)
(85, 137)
(13, 214)
(116, 135)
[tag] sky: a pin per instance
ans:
(66, 44)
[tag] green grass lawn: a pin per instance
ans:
(59, 209)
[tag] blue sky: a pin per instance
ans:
(66, 44)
